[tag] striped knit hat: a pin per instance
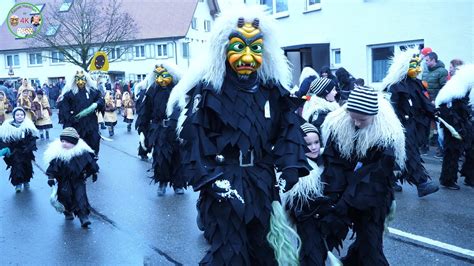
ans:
(321, 87)
(363, 100)
(70, 135)
(309, 128)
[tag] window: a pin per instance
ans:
(13, 60)
(207, 25)
(194, 23)
(381, 55)
(66, 5)
(312, 5)
(185, 49)
(335, 57)
(162, 50)
(140, 51)
(57, 57)
(115, 53)
(141, 77)
(278, 7)
(51, 31)
(35, 59)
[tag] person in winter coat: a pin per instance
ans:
(436, 74)
(70, 162)
(19, 135)
(307, 76)
(346, 84)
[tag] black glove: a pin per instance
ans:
(94, 177)
(51, 182)
(290, 175)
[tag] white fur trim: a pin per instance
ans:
(458, 86)
(386, 131)
(307, 72)
(8, 132)
(210, 67)
(71, 83)
(308, 187)
(56, 151)
(316, 104)
(399, 66)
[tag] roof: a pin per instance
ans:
(155, 19)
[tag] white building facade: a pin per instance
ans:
(47, 66)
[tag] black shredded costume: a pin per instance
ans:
(458, 114)
(251, 127)
(140, 123)
(415, 112)
(161, 136)
(71, 174)
(21, 140)
(87, 127)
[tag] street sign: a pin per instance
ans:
(10, 71)
(99, 62)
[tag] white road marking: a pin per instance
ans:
(432, 242)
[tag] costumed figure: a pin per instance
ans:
(118, 100)
(128, 110)
(454, 102)
(364, 143)
(43, 113)
(80, 101)
(415, 111)
(26, 86)
(239, 124)
(306, 204)
(5, 108)
(25, 102)
(161, 130)
(110, 116)
(307, 76)
(70, 161)
(19, 136)
(140, 91)
(322, 101)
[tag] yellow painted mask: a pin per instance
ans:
(414, 68)
(80, 79)
(163, 77)
(244, 52)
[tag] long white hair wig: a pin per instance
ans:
(458, 86)
(211, 67)
(307, 72)
(399, 66)
(71, 82)
(173, 69)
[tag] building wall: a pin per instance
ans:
(353, 26)
(128, 63)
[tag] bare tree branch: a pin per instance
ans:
(88, 25)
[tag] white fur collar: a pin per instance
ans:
(9, 132)
(56, 151)
(308, 187)
(399, 66)
(386, 131)
(458, 86)
(315, 104)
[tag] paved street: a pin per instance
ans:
(131, 225)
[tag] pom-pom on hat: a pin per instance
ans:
(321, 87)
(363, 100)
(70, 135)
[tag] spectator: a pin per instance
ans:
(360, 82)
(346, 83)
(435, 76)
(53, 95)
(453, 66)
(45, 90)
(326, 72)
(60, 85)
(8, 92)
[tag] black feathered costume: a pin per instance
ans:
(358, 177)
(21, 140)
(74, 100)
(70, 168)
(454, 105)
(140, 123)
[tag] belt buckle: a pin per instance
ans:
(241, 159)
(164, 122)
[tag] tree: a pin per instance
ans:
(77, 28)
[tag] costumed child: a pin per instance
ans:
(26, 86)
(5, 108)
(19, 135)
(118, 100)
(71, 162)
(323, 100)
(128, 113)
(364, 142)
(306, 203)
(43, 114)
(110, 117)
(25, 102)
